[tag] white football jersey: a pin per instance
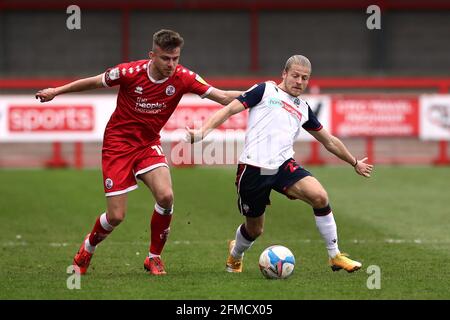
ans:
(275, 119)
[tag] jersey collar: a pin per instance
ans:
(294, 99)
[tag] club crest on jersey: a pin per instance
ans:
(109, 183)
(297, 101)
(170, 90)
(138, 89)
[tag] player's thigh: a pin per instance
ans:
(159, 182)
(309, 190)
(118, 173)
(253, 190)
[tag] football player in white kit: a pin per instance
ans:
(276, 115)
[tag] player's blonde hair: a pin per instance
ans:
(299, 60)
(167, 40)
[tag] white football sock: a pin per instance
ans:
(89, 248)
(241, 245)
(328, 230)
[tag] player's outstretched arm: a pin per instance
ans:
(337, 147)
(75, 86)
(195, 135)
(223, 97)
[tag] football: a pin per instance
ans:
(276, 262)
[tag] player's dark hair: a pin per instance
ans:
(167, 40)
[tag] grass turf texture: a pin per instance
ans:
(397, 220)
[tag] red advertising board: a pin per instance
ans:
(67, 118)
(375, 116)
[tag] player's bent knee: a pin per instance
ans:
(165, 199)
(319, 200)
(115, 217)
(255, 232)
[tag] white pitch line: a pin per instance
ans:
(217, 242)
(14, 244)
(56, 244)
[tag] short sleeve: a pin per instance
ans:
(252, 96)
(196, 84)
(313, 123)
(114, 76)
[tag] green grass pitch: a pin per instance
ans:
(399, 220)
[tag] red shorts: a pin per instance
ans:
(122, 164)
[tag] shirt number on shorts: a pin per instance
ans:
(158, 149)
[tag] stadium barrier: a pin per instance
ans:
(82, 118)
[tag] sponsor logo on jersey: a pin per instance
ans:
(114, 74)
(291, 109)
(109, 183)
(149, 107)
(200, 79)
(124, 71)
(130, 70)
(275, 102)
(170, 90)
(138, 90)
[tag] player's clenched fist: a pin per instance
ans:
(193, 135)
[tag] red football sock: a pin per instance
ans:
(101, 230)
(159, 227)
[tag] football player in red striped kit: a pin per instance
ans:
(150, 90)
